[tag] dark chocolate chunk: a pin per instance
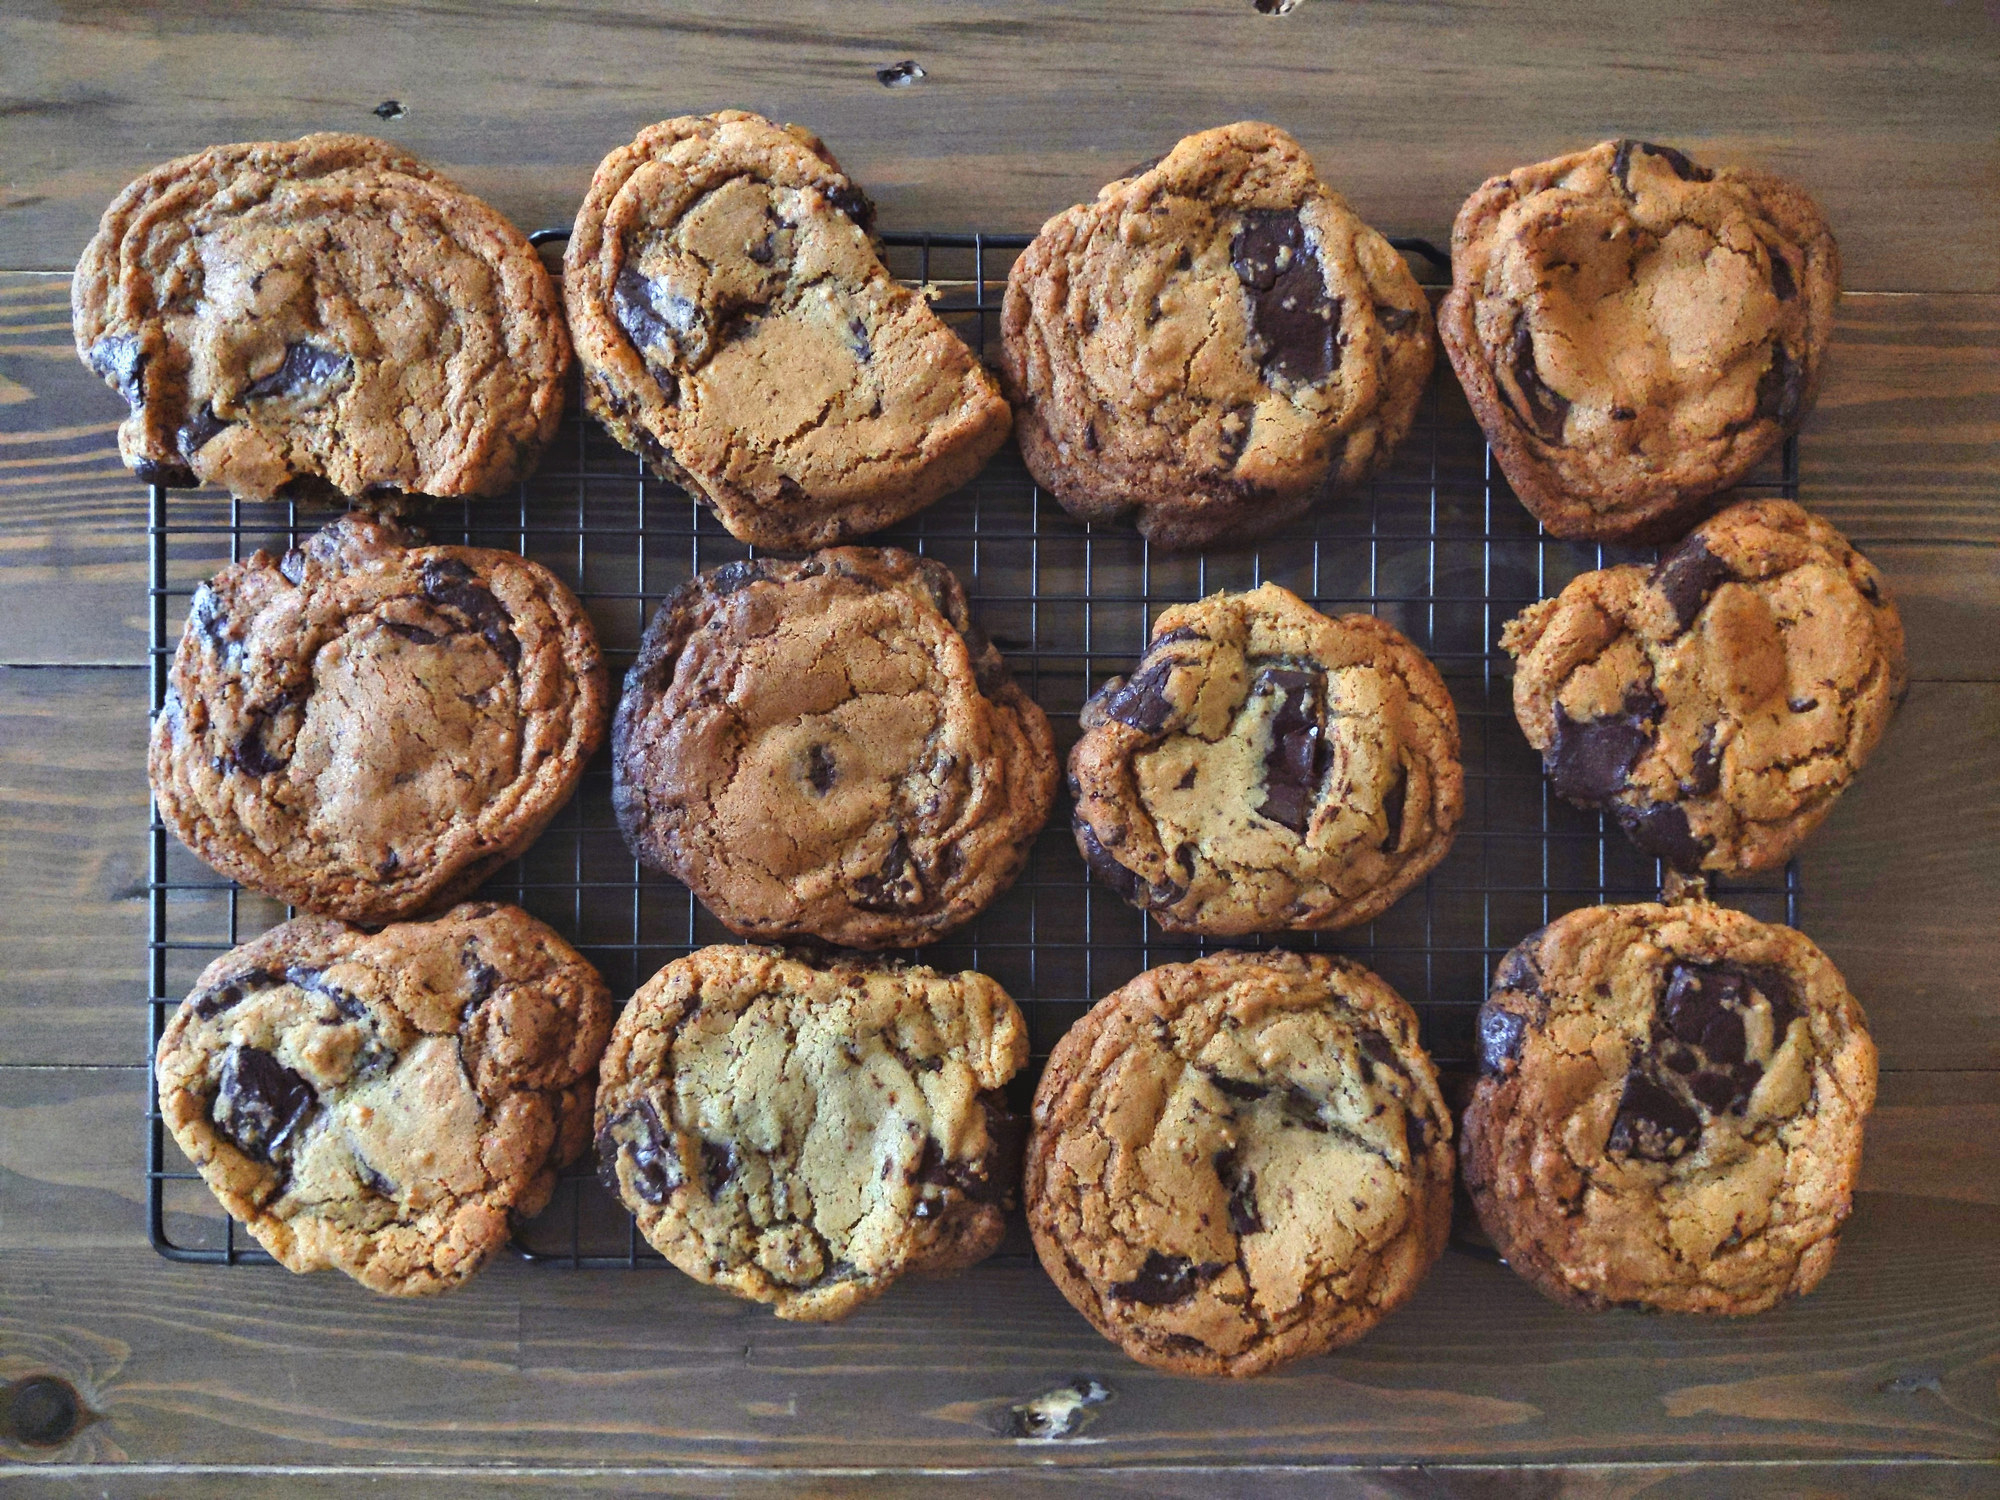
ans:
(481, 979)
(1589, 762)
(1781, 388)
(450, 584)
(1378, 1048)
(1783, 284)
(1241, 1185)
(652, 315)
(1705, 771)
(374, 1181)
(1542, 409)
(207, 617)
(1303, 1107)
(413, 633)
(117, 358)
(197, 431)
(1719, 1090)
(819, 768)
(857, 340)
(1140, 701)
(1125, 882)
(850, 200)
(648, 1146)
(1521, 969)
(1652, 1123)
(897, 886)
(719, 1165)
(1164, 1280)
(306, 368)
(1295, 763)
(166, 474)
(1687, 171)
(314, 982)
(1687, 576)
(1294, 318)
(251, 754)
(1501, 1033)
(989, 1178)
(730, 577)
(231, 992)
(1394, 319)
(260, 1103)
(1392, 810)
(1661, 830)
(1238, 1088)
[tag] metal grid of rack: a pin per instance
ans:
(1437, 545)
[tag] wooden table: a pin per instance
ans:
(197, 1378)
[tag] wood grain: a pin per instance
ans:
(1886, 113)
(1899, 454)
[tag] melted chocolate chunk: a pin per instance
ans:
(897, 886)
(305, 369)
(313, 981)
(1521, 969)
(1238, 1088)
(450, 584)
(1140, 701)
(857, 340)
(481, 980)
(1687, 576)
(201, 426)
(1293, 317)
(819, 768)
(166, 474)
(1781, 388)
(1125, 882)
(1501, 1033)
(1295, 764)
(414, 633)
(207, 616)
(1394, 319)
(719, 1165)
(1652, 1123)
(1783, 285)
(730, 577)
(232, 992)
(118, 360)
(1164, 1280)
(1241, 1185)
(1303, 1107)
(655, 1159)
(988, 1178)
(1589, 762)
(251, 754)
(1687, 171)
(1543, 410)
(850, 200)
(1392, 810)
(1661, 830)
(260, 1103)
(1705, 771)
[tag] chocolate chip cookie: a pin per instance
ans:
(1635, 332)
(1240, 1161)
(804, 1133)
(739, 331)
(385, 1103)
(1267, 768)
(1719, 702)
(1669, 1109)
(830, 747)
(320, 318)
(368, 727)
(1213, 345)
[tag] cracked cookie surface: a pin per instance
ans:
(1212, 345)
(1669, 1109)
(325, 316)
(1240, 1161)
(830, 747)
(368, 727)
(1636, 332)
(1266, 767)
(385, 1103)
(802, 1133)
(738, 330)
(1718, 703)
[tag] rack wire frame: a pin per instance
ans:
(1437, 544)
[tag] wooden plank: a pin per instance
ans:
(1893, 1356)
(1748, 1481)
(1903, 453)
(1886, 114)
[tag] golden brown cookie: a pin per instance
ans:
(322, 318)
(830, 748)
(803, 1134)
(368, 727)
(1240, 1161)
(1669, 1109)
(1719, 702)
(738, 330)
(1635, 332)
(1266, 768)
(386, 1103)
(1213, 345)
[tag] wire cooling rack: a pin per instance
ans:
(1437, 545)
